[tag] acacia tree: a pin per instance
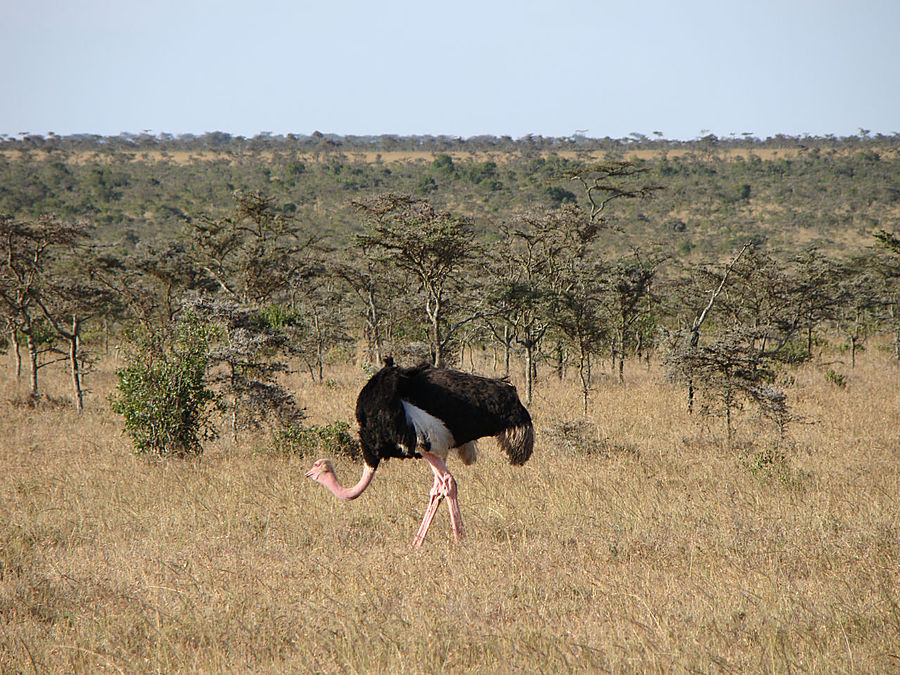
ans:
(692, 340)
(518, 313)
(42, 289)
(322, 315)
(628, 290)
(371, 285)
(889, 275)
(859, 289)
(815, 284)
(244, 359)
(628, 282)
(606, 182)
(254, 254)
(729, 371)
(433, 247)
(66, 305)
(762, 294)
(23, 254)
(261, 262)
(760, 307)
(538, 269)
(578, 316)
(150, 281)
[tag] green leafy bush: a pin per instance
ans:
(329, 439)
(162, 392)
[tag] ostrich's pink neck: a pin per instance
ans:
(330, 481)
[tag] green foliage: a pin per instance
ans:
(443, 163)
(162, 392)
(770, 463)
(889, 240)
(327, 440)
(481, 172)
(834, 188)
(793, 352)
(558, 195)
(835, 378)
(738, 193)
(433, 271)
(295, 168)
(277, 317)
(766, 460)
(426, 185)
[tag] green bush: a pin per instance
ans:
(329, 439)
(793, 352)
(162, 392)
(835, 378)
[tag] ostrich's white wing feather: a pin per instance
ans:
(431, 432)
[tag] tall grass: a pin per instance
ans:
(631, 541)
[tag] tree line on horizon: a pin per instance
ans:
(318, 141)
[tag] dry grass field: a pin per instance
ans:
(635, 541)
(182, 157)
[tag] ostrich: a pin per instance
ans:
(424, 412)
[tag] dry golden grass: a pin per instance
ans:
(183, 157)
(658, 550)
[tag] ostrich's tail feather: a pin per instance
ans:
(517, 442)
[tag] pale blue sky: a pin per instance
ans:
(461, 68)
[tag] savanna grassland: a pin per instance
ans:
(636, 539)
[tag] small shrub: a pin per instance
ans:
(39, 402)
(576, 436)
(835, 378)
(162, 392)
(330, 440)
(773, 463)
(558, 195)
(793, 352)
(785, 379)
(579, 437)
(767, 461)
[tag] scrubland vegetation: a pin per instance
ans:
(707, 335)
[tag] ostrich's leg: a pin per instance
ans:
(449, 486)
(444, 486)
(433, 504)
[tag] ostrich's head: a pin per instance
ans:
(319, 470)
(322, 472)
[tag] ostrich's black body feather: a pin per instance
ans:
(470, 406)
